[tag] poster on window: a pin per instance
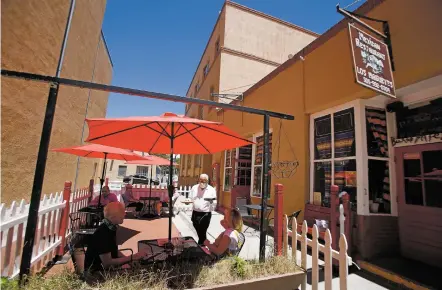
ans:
(371, 62)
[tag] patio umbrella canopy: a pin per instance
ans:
(151, 160)
(100, 151)
(168, 133)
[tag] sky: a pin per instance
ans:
(155, 45)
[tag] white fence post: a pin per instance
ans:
(315, 258)
(285, 238)
(304, 253)
(343, 263)
(328, 260)
(294, 240)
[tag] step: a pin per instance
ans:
(391, 276)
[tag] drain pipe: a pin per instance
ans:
(86, 111)
(65, 38)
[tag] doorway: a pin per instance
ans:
(242, 174)
(419, 189)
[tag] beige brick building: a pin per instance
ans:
(245, 45)
(32, 34)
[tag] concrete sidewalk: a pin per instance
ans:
(250, 251)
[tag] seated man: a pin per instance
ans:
(102, 251)
(130, 200)
(228, 242)
(106, 197)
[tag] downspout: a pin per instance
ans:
(86, 111)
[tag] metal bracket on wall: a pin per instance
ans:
(385, 35)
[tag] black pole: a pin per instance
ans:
(102, 178)
(38, 181)
(170, 182)
(265, 190)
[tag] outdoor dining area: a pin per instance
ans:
(117, 139)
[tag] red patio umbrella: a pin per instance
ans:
(100, 151)
(151, 160)
(168, 133)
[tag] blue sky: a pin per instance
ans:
(156, 45)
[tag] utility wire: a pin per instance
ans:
(351, 4)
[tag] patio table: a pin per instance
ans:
(258, 207)
(185, 249)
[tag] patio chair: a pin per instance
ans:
(290, 219)
(241, 242)
(246, 216)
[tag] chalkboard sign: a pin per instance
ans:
(420, 121)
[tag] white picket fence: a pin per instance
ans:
(13, 224)
(343, 258)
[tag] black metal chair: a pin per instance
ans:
(241, 242)
(290, 219)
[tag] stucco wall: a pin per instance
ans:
(260, 36)
(32, 33)
(326, 78)
(240, 73)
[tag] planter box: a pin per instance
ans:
(279, 282)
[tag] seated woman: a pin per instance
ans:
(102, 251)
(106, 197)
(229, 242)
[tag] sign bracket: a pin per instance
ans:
(385, 35)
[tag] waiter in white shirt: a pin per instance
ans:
(204, 199)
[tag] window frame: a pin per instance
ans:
(118, 172)
(361, 155)
(206, 69)
(252, 181)
(142, 166)
(225, 169)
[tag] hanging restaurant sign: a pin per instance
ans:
(371, 62)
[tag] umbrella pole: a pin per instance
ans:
(150, 193)
(170, 188)
(102, 178)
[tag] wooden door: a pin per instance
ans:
(241, 174)
(419, 189)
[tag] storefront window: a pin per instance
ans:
(334, 145)
(378, 162)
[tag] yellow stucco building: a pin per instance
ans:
(344, 134)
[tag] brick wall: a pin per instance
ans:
(32, 33)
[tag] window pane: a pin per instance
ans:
(245, 153)
(433, 192)
(413, 191)
(227, 178)
(260, 149)
(228, 159)
(376, 123)
(243, 174)
(379, 186)
(344, 129)
(257, 177)
(321, 183)
(122, 170)
(142, 170)
(432, 161)
(345, 177)
(412, 165)
(322, 137)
